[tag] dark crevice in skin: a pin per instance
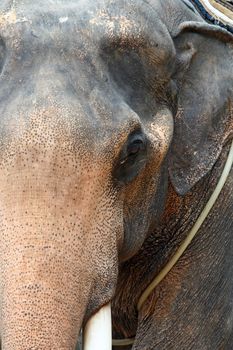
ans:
(156, 251)
(189, 5)
(2, 54)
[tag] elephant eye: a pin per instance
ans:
(135, 147)
(132, 158)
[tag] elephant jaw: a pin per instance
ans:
(98, 330)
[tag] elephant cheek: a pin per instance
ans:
(144, 200)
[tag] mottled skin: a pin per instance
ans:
(90, 166)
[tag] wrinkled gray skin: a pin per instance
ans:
(116, 119)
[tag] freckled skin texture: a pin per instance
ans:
(97, 100)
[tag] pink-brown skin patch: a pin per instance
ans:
(60, 227)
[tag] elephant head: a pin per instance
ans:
(90, 135)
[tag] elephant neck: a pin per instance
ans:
(179, 216)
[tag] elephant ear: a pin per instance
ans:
(204, 119)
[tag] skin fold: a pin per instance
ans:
(116, 120)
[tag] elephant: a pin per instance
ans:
(116, 123)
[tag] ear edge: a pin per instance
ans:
(206, 29)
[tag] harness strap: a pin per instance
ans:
(163, 273)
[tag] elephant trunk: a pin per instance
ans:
(44, 302)
(50, 277)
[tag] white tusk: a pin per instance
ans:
(98, 330)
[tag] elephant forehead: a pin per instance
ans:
(61, 19)
(80, 26)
